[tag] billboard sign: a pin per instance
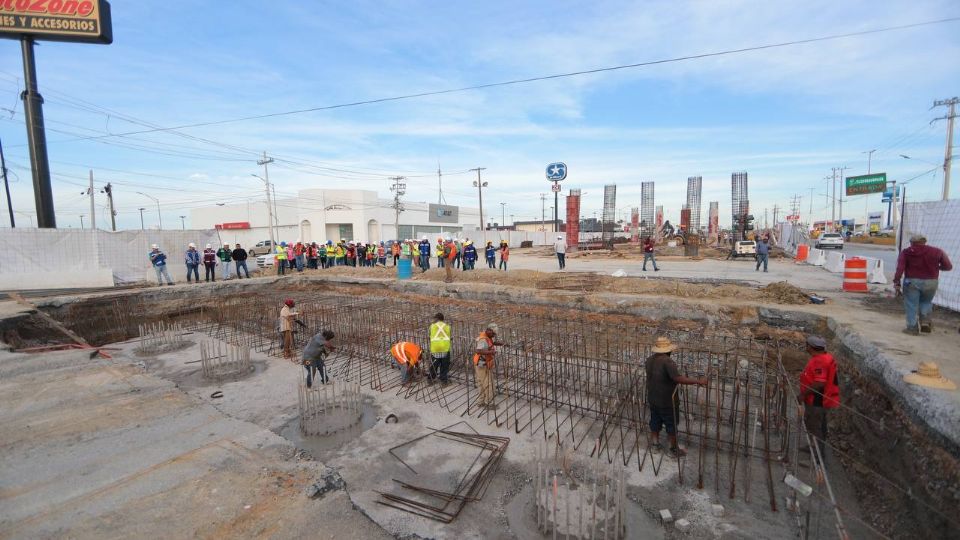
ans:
(556, 172)
(442, 213)
(867, 183)
(84, 21)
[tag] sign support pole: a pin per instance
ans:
(37, 139)
(556, 208)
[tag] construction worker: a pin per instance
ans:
(210, 263)
(240, 259)
(395, 251)
(648, 255)
(340, 254)
(450, 254)
(299, 250)
(382, 255)
(322, 252)
(560, 248)
(287, 318)
(504, 255)
(192, 258)
(313, 255)
(440, 252)
(439, 349)
(315, 354)
(159, 262)
(919, 267)
(491, 254)
(469, 255)
(408, 356)
(424, 254)
(485, 351)
(406, 250)
(819, 389)
(280, 259)
(225, 254)
(662, 380)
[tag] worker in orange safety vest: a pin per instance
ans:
(485, 351)
(408, 356)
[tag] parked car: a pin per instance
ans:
(830, 240)
(263, 246)
(745, 248)
(264, 261)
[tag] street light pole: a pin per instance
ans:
(156, 200)
(183, 224)
(503, 219)
(480, 185)
(141, 217)
(81, 222)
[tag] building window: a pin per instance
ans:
(406, 232)
(346, 231)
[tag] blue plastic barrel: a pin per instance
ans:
(404, 269)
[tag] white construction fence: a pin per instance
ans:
(832, 261)
(68, 258)
(939, 221)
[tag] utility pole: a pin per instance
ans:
(6, 184)
(833, 210)
(183, 224)
(480, 185)
(440, 199)
(141, 217)
(948, 153)
(266, 181)
(543, 202)
(869, 154)
(503, 217)
(37, 138)
(843, 190)
(108, 189)
(81, 222)
(810, 215)
(93, 211)
(399, 188)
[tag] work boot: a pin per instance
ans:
(911, 330)
(926, 326)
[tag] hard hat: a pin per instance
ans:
(559, 238)
(154, 246)
(449, 239)
(289, 302)
(424, 237)
(329, 242)
(226, 244)
(191, 244)
(283, 244)
(209, 246)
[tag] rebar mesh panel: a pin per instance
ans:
(609, 212)
(694, 189)
(740, 202)
(648, 227)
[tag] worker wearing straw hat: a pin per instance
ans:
(662, 380)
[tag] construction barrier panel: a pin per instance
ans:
(855, 275)
(817, 257)
(939, 221)
(803, 251)
(875, 273)
(834, 262)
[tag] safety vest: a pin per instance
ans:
(451, 252)
(405, 249)
(406, 353)
(440, 250)
(439, 337)
(281, 253)
(487, 355)
(339, 252)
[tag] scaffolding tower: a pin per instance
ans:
(740, 203)
(609, 213)
(647, 217)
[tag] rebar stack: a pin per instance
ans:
(582, 504)
(160, 336)
(220, 360)
(339, 400)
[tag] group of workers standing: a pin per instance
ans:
(209, 258)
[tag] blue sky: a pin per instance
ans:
(786, 115)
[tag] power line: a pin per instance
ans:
(512, 82)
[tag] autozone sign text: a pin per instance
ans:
(57, 20)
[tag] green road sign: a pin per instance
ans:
(867, 183)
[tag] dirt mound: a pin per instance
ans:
(785, 293)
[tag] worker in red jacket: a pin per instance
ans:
(919, 265)
(819, 389)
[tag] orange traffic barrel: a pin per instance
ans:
(803, 251)
(855, 275)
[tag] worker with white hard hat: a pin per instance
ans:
(424, 254)
(192, 258)
(159, 261)
(560, 248)
(210, 263)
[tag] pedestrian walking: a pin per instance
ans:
(440, 334)
(560, 248)
(280, 259)
(504, 255)
(159, 262)
(408, 357)
(287, 318)
(763, 252)
(192, 258)
(648, 255)
(315, 355)
(919, 267)
(210, 263)
(490, 253)
(225, 256)
(424, 248)
(483, 365)
(819, 389)
(240, 258)
(662, 380)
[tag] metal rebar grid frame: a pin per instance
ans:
(609, 213)
(572, 376)
(573, 218)
(694, 189)
(219, 360)
(160, 336)
(713, 223)
(740, 202)
(340, 398)
(648, 225)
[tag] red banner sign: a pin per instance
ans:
(234, 225)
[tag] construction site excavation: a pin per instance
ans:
(174, 412)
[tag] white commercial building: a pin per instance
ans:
(318, 215)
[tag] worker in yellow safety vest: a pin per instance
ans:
(483, 365)
(439, 349)
(280, 259)
(408, 356)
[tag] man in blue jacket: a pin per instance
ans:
(159, 261)
(192, 258)
(424, 254)
(763, 253)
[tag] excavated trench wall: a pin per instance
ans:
(883, 443)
